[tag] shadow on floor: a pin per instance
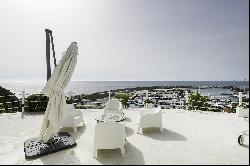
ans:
(166, 135)
(246, 119)
(203, 112)
(129, 131)
(245, 146)
(132, 156)
(64, 157)
(181, 112)
(32, 113)
(77, 135)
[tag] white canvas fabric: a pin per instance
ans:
(56, 109)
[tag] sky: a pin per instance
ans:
(128, 40)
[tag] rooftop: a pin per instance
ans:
(189, 137)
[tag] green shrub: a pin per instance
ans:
(9, 103)
(215, 109)
(95, 96)
(36, 103)
(244, 105)
(197, 102)
(81, 107)
(124, 99)
(69, 100)
(2, 109)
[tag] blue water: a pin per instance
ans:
(97, 86)
(87, 87)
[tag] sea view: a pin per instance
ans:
(124, 82)
(88, 87)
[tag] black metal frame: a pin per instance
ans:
(49, 40)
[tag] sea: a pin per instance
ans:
(88, 87)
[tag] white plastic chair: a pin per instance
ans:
(150, 118)
(109, 135)
(113, 106)
(243, 137)
(73, 119)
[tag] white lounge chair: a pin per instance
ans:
(73, 119)
(113, 106)
(150, 118)
(109, 135)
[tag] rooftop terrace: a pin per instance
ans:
(189, 137)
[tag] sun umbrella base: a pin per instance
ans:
(34, 147)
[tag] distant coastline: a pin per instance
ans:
(89, 87)
(224, 93)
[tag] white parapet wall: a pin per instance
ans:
(242, 112)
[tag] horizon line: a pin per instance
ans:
(130, 80)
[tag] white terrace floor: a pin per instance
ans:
(188, 138)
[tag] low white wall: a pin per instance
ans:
(242, 112)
